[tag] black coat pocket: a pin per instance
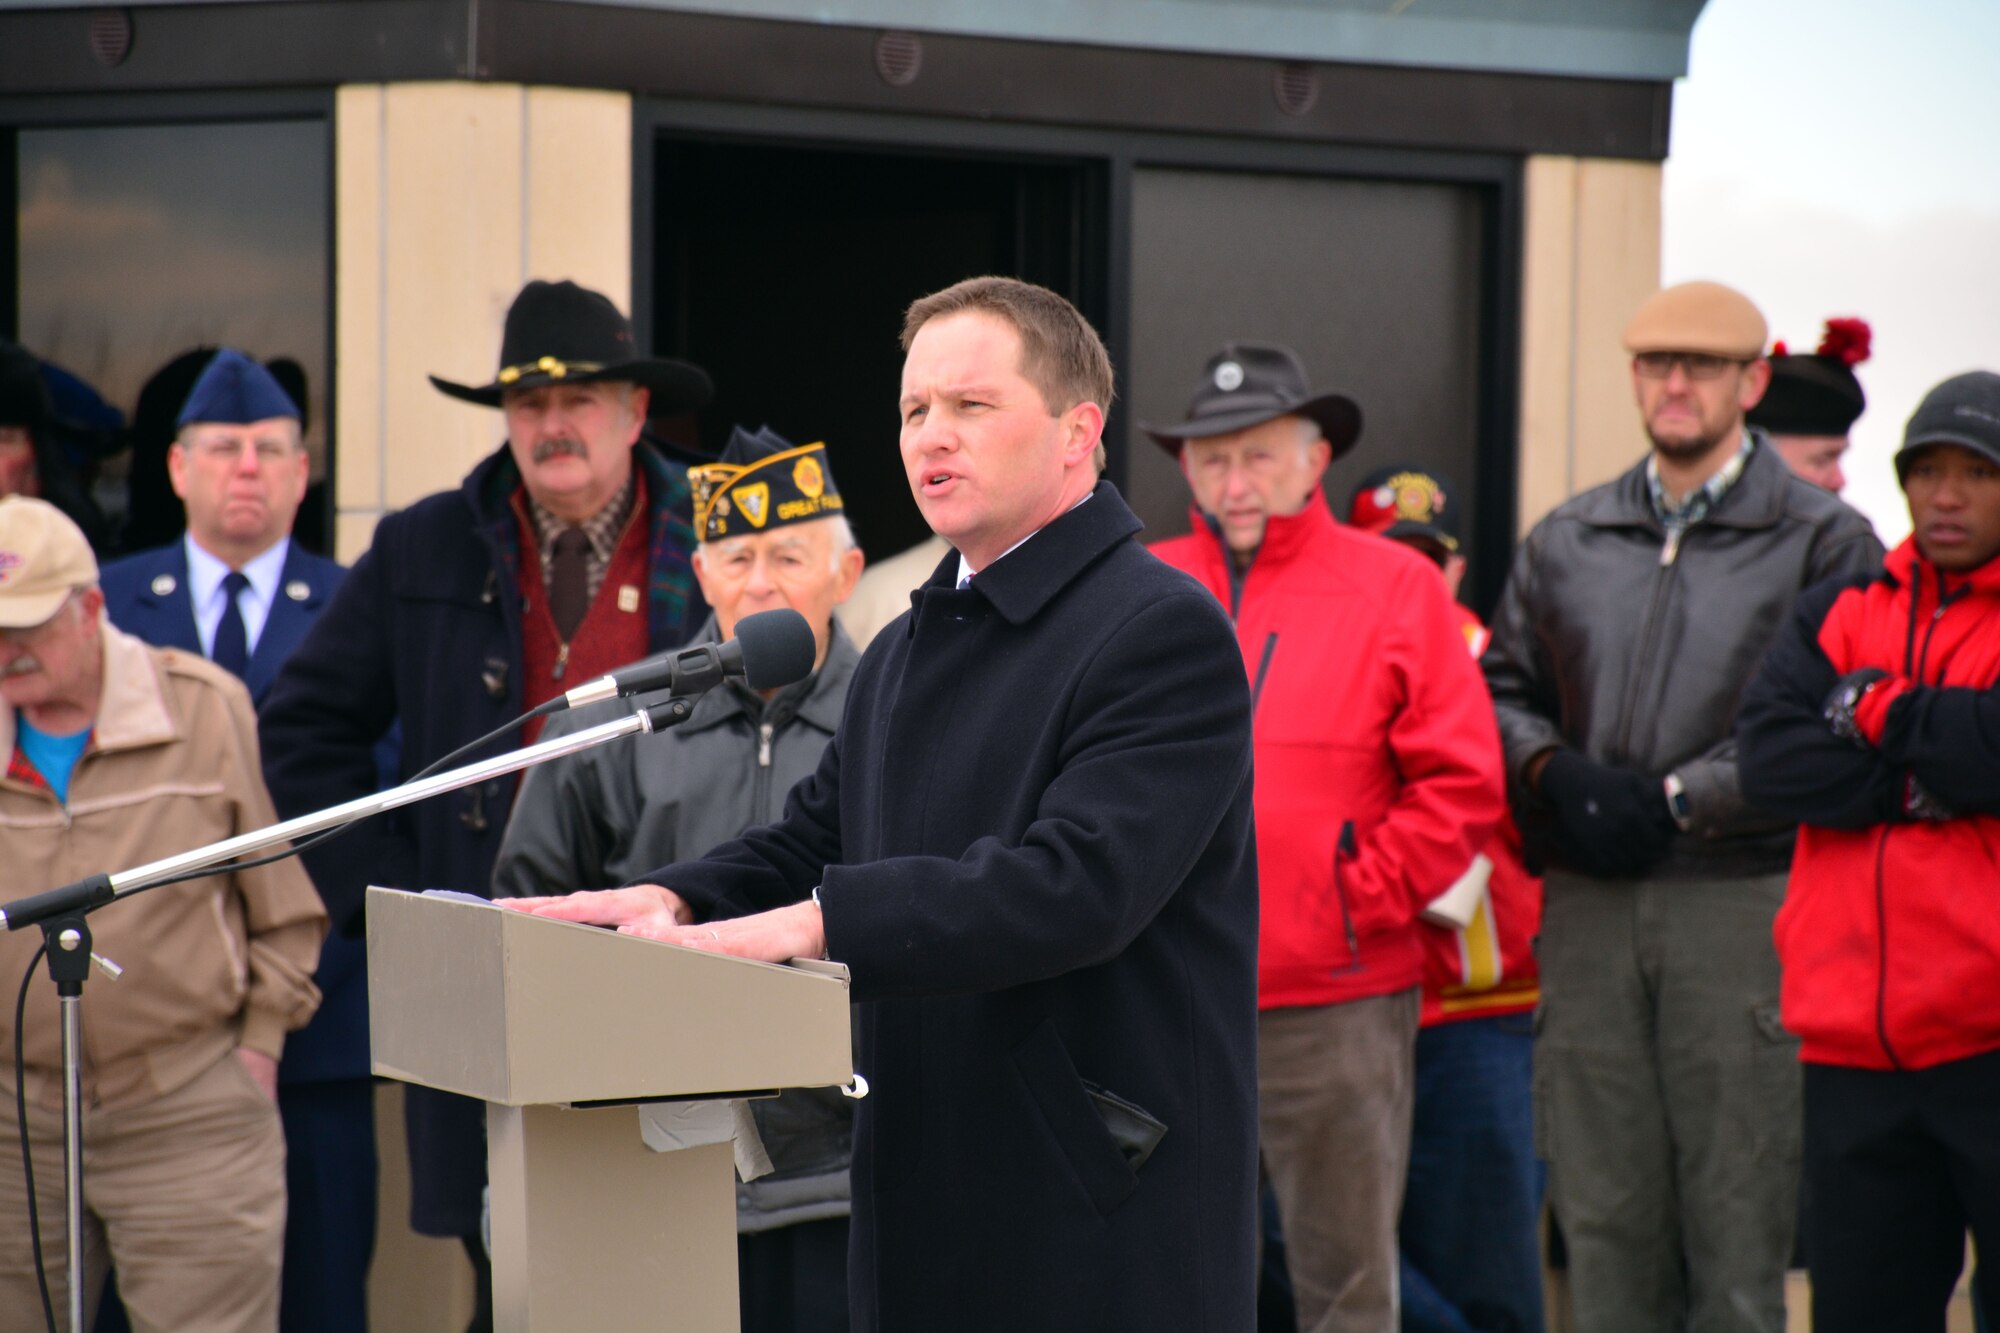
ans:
(1090, 1147)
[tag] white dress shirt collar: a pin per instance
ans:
(205, 575)
(965, 569)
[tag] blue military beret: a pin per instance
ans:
(236, 390)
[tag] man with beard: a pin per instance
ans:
(564, 554)
(1666, 1089)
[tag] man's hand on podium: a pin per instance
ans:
(642, 909)
(658, 913)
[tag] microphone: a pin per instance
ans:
(771, 648)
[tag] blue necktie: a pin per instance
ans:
(232, 641)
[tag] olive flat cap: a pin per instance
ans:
(1704, 317)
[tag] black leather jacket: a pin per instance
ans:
(1610, 642)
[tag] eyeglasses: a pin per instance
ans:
(1698, 365)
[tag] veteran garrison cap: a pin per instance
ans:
(1407, 503)
(762, 481)
(1703, 317)
(235, 390)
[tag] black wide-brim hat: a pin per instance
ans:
(560, 333)
(1248, 384)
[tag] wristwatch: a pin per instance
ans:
(1677, 803)
(1844, 698)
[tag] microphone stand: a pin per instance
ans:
(61, 913)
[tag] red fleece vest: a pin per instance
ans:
(613, 632)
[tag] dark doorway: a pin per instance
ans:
(1382, 287)
(784, 271)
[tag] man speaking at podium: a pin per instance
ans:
(1030, 841)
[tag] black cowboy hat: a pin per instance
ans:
(1247, 384)
(560, 333)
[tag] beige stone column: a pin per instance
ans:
(1591, 255)
(447, 197)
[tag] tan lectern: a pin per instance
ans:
(548, 1021)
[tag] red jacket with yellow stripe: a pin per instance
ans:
(1487, 967)
(1377, 753)
(1890, 932)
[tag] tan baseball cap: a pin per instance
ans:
(43, 559)
(1704, 317)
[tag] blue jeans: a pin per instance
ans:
(1470, 1262)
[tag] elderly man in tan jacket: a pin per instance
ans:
(119, 754)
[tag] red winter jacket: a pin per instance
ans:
(1378, 759)
(1487, 967)
(1890, 932)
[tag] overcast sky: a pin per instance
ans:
(1842, 157)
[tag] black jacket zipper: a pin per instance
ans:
(1345, 846)
(1915, 659)
(1670, 551)
(1263, 670)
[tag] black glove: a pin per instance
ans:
(1611, 823)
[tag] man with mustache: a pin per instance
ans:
(1666, 1090)
(1030, 842)
(774, 534)
(563, 555)
(118, 753)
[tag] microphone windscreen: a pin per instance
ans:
(778, 648)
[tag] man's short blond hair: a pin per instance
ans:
(1061, 355)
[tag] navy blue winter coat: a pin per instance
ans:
(1033, 842)
(426, 629)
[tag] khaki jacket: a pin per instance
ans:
(210, 964)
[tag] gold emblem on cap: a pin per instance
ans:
(163, 585)
(554, 367)
(755, 502)
(298, 590)
(1416, 496)
(809, 477)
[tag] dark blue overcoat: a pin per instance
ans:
(1033, 843)
(146, 595)
(426, 632)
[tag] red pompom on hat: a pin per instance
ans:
(1816, 394)
(1847, 340)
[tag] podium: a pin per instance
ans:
(562, 1029)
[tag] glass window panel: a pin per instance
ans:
(138, 243)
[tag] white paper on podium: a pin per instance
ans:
(671, 1126)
